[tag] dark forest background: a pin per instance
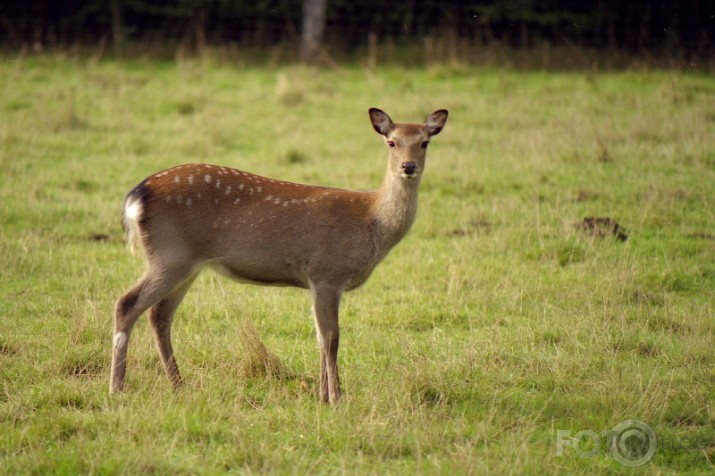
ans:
(315, 29)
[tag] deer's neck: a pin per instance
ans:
(395, 209)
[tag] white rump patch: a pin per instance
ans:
(132, 215)
(133, 211)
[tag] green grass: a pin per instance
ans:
(493, 325)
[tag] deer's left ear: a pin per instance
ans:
(436, 121)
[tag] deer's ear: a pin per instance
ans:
(381, 122)
(436, 121)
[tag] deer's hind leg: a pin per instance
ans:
(161, 316)
(157, 284)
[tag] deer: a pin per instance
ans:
(263, 231)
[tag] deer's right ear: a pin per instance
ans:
(381, 122)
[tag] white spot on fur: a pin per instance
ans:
(190, 179)
(285, 204)
(228, 190)
(240, 186)
(218, 183)
(235, 202)
(259, 189)
(215, 201)
(120, 340)
(268, 198)
(177, 179)
(179, 199)
(277, 201)
(189, 202)
(207, 178)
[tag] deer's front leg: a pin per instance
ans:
(326, 302)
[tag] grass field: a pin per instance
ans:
(495, 324)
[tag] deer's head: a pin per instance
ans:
(407, 143)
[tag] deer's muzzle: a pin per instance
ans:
(409, 169)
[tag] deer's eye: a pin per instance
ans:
(425, 144)
(391, 144)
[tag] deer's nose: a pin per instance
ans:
(409, 168)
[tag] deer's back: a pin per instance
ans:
(257, 229)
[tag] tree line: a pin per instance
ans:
(636, 26)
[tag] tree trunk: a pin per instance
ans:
(199, 21)
(117, 32)
(313, 28)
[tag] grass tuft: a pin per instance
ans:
(289, 89)
(256, 360)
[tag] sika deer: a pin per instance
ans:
(263, 231)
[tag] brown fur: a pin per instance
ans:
(264, 231)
